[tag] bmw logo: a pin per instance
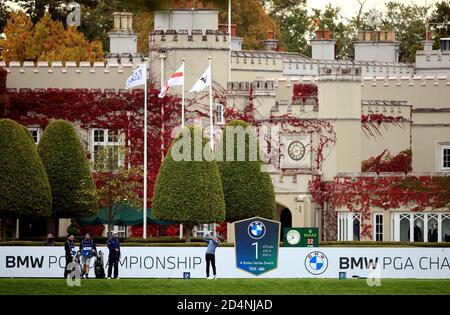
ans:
(316, 263)
(256, 230)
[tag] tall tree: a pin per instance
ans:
(293, 20)
(440, 19)
(188, 188)
(252, 22)
(330, 18)
(73, 188)
(19, 33)
(117, 185)
(409, 25)
(48, 40)
(247, 186)
(24, 185)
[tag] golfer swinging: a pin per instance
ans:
(210, 256)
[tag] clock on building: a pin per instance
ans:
(293, 237)
(296, 150)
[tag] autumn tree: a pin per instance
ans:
(48, 40)
(18, 32)
(252, 22)
(143, 25)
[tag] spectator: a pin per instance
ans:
(87, 249)
(114, 255)
(50, 240)
(69, 248)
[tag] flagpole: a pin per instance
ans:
(211, 126)
(162, 56)
(229, 39)
(145, 157)
(182, 97)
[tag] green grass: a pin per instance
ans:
(223, 286)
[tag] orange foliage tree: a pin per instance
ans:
(48, 40)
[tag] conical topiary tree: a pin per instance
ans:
(188, 188)
(24, 186)
(247, 186)
(69, 174)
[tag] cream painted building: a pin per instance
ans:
(375, 83)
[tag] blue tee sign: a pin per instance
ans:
(257, 242)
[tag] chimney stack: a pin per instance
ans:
(122, 39)
(428, 42)
(270, 44)
(323, 46)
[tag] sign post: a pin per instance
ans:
(257, 241)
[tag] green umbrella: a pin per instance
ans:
(123, 215)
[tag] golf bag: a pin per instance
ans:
(76, 264)
(99, 266)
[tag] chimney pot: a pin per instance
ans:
(199, 4)
(269, 34)
(429, 36)
(318, 34)
(327, 34)
(176, 4)
(188, 4)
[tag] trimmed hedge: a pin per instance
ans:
(247, 186)
(24, 185)
(187, 190)
(69, 174)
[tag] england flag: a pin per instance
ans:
(204, 81)
(175, 79)
(138, 77)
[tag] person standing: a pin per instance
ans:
(87, 248)
(210, 256)
(69, 248)
(114, 255)
(50, 241)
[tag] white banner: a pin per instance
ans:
(172, 262)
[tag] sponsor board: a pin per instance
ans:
(294, 262)
(256, 245)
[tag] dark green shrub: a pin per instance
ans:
(24, 186)
(186, 190)
(247, 186)
(69, 174)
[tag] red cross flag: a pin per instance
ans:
(175, 79)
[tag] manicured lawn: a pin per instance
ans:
(223, 286)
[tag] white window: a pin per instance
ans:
(444, 156)
(425, 227)
(121, 230)
(378, 227)
(200, 229)
(36, 134)
(349, 226)
(220, 120)
(106, 147)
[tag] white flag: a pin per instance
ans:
(204, 81)
(139, 77)
(175, 79)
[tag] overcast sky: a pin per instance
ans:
(350, 7)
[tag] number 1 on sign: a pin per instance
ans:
(256, 249)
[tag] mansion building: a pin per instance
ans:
(374, 104)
